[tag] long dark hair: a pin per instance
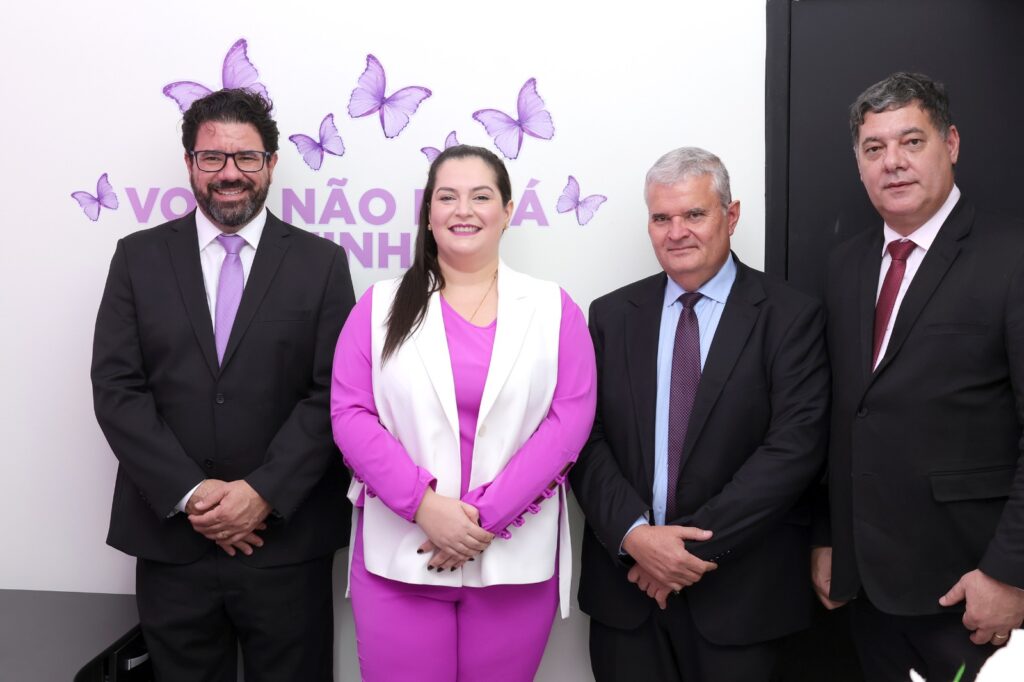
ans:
(424, 277)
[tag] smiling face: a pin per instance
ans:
(689, 229)
(229, 197)
(467, 215)
(906, 166)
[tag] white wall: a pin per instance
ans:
(82, 96)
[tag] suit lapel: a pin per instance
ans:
(273, 244)
(514, 316)
(933, 269)
(431, 344)
(738, 318)
(868, 270)
(183, 245)
(643, 323)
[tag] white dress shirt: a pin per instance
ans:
(923, 238)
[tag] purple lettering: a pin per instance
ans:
(305, 209)
(172, 194)
(363, 253)
(403, 250)
(337, 204)
(529, 207)
(377, 218)
(143, 210)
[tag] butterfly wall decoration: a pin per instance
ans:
(237, 72)
(105, 197)
(312, 151)
(533, 119)
(585, 208)
(395, 109)
(432, 152)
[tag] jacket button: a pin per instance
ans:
(208, 463)
(862, 412)
(219, 399)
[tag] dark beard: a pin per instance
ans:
(238, 214)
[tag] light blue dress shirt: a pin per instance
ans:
(709, 313)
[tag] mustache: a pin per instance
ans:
(233, 184)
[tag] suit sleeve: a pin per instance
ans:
(536, 470)
(609, 501)
(789, 460)
(303, 448)
(144, 445)
(1004, 556)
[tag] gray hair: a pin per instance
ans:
(687, 162)
(896, 92)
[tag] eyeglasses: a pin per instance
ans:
(211, 161)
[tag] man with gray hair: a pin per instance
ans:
(926, 339)
(710, 427)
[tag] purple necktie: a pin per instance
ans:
(229, 290)
(685, 379)
(899, 251)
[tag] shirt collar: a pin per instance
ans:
(717, 288)
(250, 232)
(925, 235)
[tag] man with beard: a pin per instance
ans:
(211, 373)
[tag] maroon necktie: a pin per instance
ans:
(899, 251)
(683, 389)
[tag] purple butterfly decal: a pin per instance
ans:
(105, 197)
(395, 109)
(534, 120)
(585, 208)
(237, 72)
(432, 152)
(313, 151)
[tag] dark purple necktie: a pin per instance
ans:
(899, 251)
(229, 290)
(685, 379)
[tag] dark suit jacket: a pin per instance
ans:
(173, 417)
(755, 443)
(926, 475)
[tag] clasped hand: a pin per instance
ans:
(993, 608)
(663, 564)
(228, 513)
(453, 531)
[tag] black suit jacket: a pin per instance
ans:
(926, 474)
(173, 417)
(756, 442)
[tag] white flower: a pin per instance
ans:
(1006, 664)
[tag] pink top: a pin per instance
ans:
(379, 460)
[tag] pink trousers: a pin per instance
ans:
(425, 633)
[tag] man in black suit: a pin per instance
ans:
(926, 337)
(211, 375)
(710, 427)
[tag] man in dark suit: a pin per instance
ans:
(926, 337)
(710, 427)
(211, 373)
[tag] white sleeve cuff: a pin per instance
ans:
(641, 521)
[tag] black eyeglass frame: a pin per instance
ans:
(229, 155)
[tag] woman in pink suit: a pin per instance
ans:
(462, 394)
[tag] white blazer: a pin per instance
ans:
(414, 394)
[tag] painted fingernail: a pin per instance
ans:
(453, 568)
(472, 559)
(419, 551)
